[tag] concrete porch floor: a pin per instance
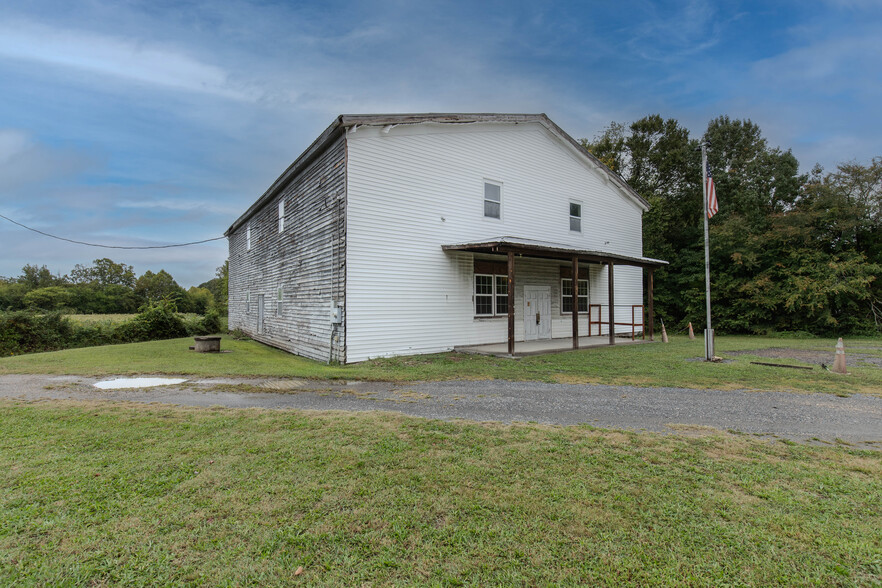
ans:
(523, 348)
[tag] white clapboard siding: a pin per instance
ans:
(415, 188)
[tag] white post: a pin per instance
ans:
(709, 332)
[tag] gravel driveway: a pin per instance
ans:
(800, 417)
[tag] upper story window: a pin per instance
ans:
(248, 238)
(281, 215)
(576, 217)
(492, 200)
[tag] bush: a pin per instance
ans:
(97, 299)
(211, 322)
(203, 325)
(26, 332)
(12, 296)
(157, 320)
(239, 335)
(49, 298)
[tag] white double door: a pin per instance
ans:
(537, 312)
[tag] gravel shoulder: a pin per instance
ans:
(812, 418)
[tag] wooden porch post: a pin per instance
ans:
(511, 303)
(612, 306)
(575, 302)
(651, 307)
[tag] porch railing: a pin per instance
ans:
(596, 318)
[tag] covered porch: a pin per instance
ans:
(539, 347)
(511, 248)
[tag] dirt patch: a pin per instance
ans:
(861, 359)
(811, 356)
(805, 355)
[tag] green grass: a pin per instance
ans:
(111, 320)
(98, 494)
(675, 364)
(103, 319)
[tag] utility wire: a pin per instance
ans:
(109, 246)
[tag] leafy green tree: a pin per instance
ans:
(38, 277)
(218, 286)
(12, 295)
(92, 298)
(757, 180)
(49, 298)
(153, 287)
(789, 251)
(200, 299)
(659, 160)
(104, 272)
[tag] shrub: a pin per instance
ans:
(157, 320)
(49, 298)
(203, 325)
(12, 295)
(211, 322)
(26, 332)
(239, 335)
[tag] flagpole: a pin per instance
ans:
(709, 332)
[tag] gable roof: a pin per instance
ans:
(347, 121)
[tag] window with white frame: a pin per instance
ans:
(566, 295)
(248, 238)
(576, 217)
(281, 215)
(501, 295)
(492, 200)
(491, 295)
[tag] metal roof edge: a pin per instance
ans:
(542, 246)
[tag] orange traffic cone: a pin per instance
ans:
(691, 333)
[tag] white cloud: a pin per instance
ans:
(119, 58)
(12, 143)
(825, 66)
(25, 162)
(665, 35)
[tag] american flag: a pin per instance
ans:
(712, 205)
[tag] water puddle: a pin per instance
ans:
(122, 383)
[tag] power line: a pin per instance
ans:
(109, 246)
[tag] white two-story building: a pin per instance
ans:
(418, 233)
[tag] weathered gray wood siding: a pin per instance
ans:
(306, 260)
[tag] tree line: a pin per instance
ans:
(789, 251)
(107, 287)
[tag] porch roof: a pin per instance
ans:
(547, 250)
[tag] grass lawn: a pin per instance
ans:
(105, 319)
(675, 364)
(230, 497)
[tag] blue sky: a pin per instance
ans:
(156, 122)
